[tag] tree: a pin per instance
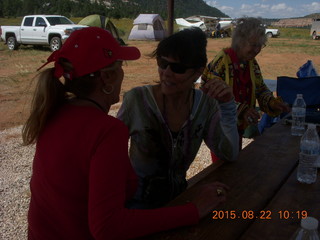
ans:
(118, 8)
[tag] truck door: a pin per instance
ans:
(27, 31)
(39, 32)
(33, 30)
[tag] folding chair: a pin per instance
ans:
(289, 87)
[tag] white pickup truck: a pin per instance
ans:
(50, 30)
(272, 32)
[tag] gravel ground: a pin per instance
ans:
(15, 172)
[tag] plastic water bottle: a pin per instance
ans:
(298, 116)
(318, 162)
(308, 230)
(309, 152)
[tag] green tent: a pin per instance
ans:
(96, 20)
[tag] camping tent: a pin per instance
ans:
(96, 20)
(147, 27)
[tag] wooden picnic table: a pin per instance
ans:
(265, 200)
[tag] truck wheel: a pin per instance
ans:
(12, 43)
(314, 36)
(55, 44)
(269, 35)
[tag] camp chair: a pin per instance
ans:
(289, 87)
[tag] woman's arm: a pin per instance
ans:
(228, 123)
(110, 177)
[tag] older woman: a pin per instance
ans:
(238, 67)
(82, 177)
(168, 121)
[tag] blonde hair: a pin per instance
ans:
(51, 93)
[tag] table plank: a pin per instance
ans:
(292, 197)
(262, 168)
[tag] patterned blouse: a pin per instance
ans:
(162, 160)
(231, 73)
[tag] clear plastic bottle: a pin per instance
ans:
(318, 161)
(309, 152)
(308, 230)
(298, 116)
(317, 164)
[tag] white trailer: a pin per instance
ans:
(315, 29)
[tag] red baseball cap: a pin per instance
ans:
(90, 49)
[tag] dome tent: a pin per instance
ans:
(147, 27)
(96, 20)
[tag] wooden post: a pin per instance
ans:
(170, 16)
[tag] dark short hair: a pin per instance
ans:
(188, 46)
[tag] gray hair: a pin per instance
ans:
(247, 27)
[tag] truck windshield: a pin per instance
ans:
(59, 20)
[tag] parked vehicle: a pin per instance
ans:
(271, 32)
(315, 29)
(50, 30)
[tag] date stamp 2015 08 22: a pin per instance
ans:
(262, 214)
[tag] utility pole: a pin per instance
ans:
(170, 16)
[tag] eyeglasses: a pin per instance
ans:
(175, 67)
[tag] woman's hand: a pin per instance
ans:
(251, 116)
(209, 197)
(281, 106)
(218, 89)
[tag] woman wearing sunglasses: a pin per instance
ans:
(168, 121)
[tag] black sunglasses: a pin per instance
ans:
(175, 67)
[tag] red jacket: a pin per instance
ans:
(82, 178)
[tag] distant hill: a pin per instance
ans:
(305, 21)
(109, 8)
(293, 22)
(314, 15)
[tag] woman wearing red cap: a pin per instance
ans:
(82, 177)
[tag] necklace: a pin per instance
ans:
(175, 134)
(92, 101)
(189, 99)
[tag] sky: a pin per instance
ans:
(266, 8)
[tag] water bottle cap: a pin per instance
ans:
(309, 223)
(300, 95)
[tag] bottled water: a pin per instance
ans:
(309, 152)
(298, 116)
(308, 230)
(318, 161)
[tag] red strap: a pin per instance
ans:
(242, 86)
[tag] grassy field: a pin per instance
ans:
(281, 57)
(291, 40)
